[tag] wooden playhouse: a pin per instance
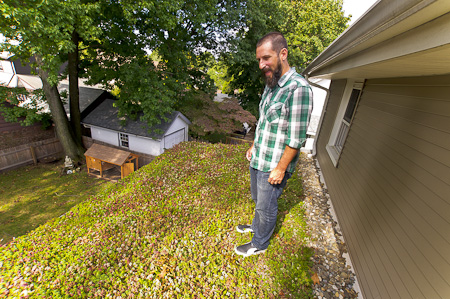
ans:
(101, 158)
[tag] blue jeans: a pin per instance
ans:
(265, 196)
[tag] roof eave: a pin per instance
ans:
(382, 22)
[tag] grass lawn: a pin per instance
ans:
(32, 195)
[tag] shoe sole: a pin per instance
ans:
(246, 254)
(247, 230)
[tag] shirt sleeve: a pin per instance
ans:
(299, 115)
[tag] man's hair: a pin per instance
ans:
(277, 40)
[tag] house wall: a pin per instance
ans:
(136, 143)
(174, 131)
(6, 72)
(107, 136)
(177, 125)
(7, 67)
(391, 188)
(145, 145)
(13, 134)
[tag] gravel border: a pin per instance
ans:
(333, 276)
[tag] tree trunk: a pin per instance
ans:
(74, 96)
(63, 129)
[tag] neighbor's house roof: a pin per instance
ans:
(30, 82)
(5, 55)
(105, 116)
(87, 96)
(398, 38)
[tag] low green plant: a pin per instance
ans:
(165, 231)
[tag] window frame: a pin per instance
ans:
(124, 138)
(341, 126)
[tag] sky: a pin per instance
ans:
(356, 8)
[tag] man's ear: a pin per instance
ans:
(283, 54)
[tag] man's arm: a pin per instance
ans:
(277, 175)
(300, 111)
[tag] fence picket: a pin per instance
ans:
(23, 154)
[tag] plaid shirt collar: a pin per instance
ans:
(281, 83)
(285, 78)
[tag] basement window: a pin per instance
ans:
(123, 140)
(344, 119)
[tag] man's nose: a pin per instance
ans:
(262, 65)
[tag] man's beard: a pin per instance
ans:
(276, 75)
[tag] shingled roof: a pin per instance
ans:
(88, 96)
(105, 116)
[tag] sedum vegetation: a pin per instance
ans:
(165, 231)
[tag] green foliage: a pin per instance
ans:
(25, 107)
(114, 37)
(289, 256)
(180, 38)
(144, 89)
(167, 230)
(218, 73)
(45, 28)
(308, 25)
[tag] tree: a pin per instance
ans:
(180, 38)
(308, 25)
(25, 106)
(106, 41)
(44, 30)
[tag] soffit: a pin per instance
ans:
(428, 63)
(413, 29)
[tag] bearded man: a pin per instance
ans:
(285, 110)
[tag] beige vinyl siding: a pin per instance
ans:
(391, 190)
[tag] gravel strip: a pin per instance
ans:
(333, 277)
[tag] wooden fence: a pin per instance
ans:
(29, 153)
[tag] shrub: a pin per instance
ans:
(165, 231)
(211, 120)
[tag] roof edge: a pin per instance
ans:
(375, 26)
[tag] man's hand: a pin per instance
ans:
(276, 176)
(248, 155)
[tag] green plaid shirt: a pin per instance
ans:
(284, 117)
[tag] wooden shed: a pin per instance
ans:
(102, 158)
(107, 126)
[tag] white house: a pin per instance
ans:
(14, 74)
(106, 127)
(7, 70)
